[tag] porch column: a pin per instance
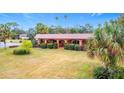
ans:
(45, 41)
(57, 43)
(66, 41)
(80, 43)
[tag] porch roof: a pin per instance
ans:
(64, 36)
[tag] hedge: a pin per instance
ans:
(21, 51)
(25, 48)
(49, 45)
(72, 47)
(77, 47)
(43, 45)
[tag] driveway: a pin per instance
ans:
(9, 44)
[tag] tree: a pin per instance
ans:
(74, 30)
(12, 25)
(4, 33)
(56, 19)
(108, 44)
(13, 28)
(66, 17)
(88, 28)
(41, 28)
(121, 19)
(52, 30)
(31, 33)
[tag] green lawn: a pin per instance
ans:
(46, 63)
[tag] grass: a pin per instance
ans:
(46, 63)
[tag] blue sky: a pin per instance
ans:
(29, 20)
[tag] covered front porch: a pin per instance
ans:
(62, 42)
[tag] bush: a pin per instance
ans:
(21, 51)
(26, 44)
(66, 46)
(72, 47)
(118, 73)
(50, 45)
(24, 48)
(77, 47)
(43, 45)
(101, 73)
(54, 45)
(109, 73)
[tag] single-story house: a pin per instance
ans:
(23, 36)
(62, 39)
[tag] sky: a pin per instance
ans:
(29, 20)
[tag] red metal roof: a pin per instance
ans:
(64, 36)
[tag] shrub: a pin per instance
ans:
(43, 45)
(109, 73)
(118, 73)
(54, 45)
(50, 45)
(26, 44)
(101, 73)
(24, 48)
(66, 46)
(71, 46)
(77, 47)
(21, 51)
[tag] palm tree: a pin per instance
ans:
(108, 44)
(65, 17)
(121, 19)
(56, 19)
(4, 33)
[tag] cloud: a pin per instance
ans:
(95, 14)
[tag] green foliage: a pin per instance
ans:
(108, 44)
(66, 46)
(27, 44)
(101, 73)
(43, 45)
(72, 47)
(77, 47)
(121, 19)
(4, 33)
(50, 45)
(108, 73)
(54, 45)
(41, 28)
(21, 51)
(25, 48)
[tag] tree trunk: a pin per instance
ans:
(5, 44)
